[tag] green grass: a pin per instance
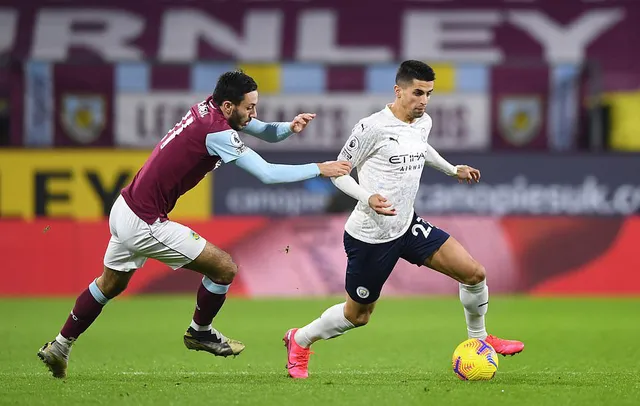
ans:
(578, 352)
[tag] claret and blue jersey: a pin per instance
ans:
(196, 145)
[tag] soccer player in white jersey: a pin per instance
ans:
(389, 150)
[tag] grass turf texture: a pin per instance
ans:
(578, 352)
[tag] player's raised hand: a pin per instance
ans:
(300, 121)
(467, 174)
(381, 205)
(333, 169)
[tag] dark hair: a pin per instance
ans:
(412, 69)
(232, 86)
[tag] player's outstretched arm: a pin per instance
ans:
(276, 132)
(229, 147)
(463, 173)
(270, 173)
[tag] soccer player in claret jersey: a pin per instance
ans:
(140, 228)
(389, 150)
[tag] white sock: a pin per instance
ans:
(331, 323)
(198, 327)
(475, 299)
(64, 341)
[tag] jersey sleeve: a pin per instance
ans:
(435, 160)
(360, 144)
(276, 173)
(270, 132)
(226, 144)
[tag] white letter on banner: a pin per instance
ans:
(317, 42)
(566, 44)
(183, 29)
(54, 34)
(424, 36)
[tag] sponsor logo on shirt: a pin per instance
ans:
(406, 158)
(408, 162)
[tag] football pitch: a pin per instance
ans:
(578, 351)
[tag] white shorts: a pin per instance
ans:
(133, 241)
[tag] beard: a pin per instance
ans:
(236, 121)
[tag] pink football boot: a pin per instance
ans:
(504, 347)
(297, 356)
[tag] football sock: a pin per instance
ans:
(475, 299)
(331, 323)
(87, 308)
(211, 297)
(198, 327)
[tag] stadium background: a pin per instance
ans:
(541, 96)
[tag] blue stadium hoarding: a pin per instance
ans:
(518, 184)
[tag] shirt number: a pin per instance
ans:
(177, 129)
(424, 231)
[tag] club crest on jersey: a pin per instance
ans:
(423, 134)
(83, 116)
(520, 118)
(362, 292)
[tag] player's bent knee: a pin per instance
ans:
(223, 271)
(476, 275)
(215, 264)
(228, 272)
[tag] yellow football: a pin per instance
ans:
(475, 360)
